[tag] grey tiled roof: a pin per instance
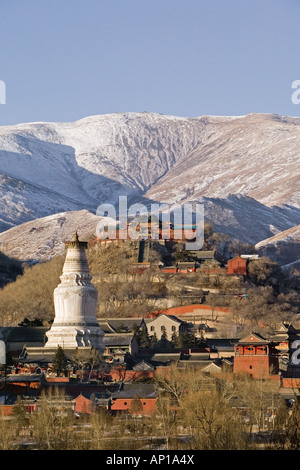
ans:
(221, 343)
(121, 339)
(136, 390)
(143, 365)
(23, 378)
(23, 334)
(109, 325)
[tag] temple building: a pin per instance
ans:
(256, 356)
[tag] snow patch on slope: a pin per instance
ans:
(41, 239)
(245, 169)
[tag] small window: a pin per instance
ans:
(173, 328)
(125, 402)
(152, 328)
(250, 367)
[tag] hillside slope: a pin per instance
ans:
(255, 155)
(42, 239)
(93, 160)
(244, 169)
(283, 247)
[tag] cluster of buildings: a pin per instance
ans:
(125, 381)
(209, 261)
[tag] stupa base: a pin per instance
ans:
(75, 337)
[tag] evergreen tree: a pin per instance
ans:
(187, 340)
(153, 341)
(143, 338)
(183, 340)
(176, 340)
(163, 342)
(59, 362)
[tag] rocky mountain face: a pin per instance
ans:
(41, 239)
(71, 166)
(284, 248)
(245, 170)
(254, 155)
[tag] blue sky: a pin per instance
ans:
(62, 60)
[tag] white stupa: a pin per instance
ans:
(75, 301)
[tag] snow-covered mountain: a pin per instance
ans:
(283, 248)
(85, 163)
(256, 155)
(246, 170)
(41, 239)
(22, 201)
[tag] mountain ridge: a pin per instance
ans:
(244, 169)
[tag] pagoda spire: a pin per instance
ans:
(75, 301)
